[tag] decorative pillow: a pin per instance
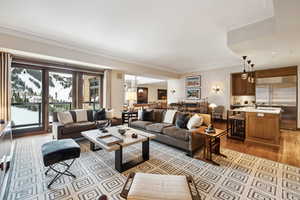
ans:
(182, 120)
(81, 115)
(140, 114)
(65, 117)
(147, 115)
(109, 114)
(169, 116)
(100, 115)
(195, 122)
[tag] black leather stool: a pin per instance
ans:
(57, 153)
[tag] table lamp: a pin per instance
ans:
(131, 97)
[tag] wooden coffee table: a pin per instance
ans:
(211, 144)
(143, 137)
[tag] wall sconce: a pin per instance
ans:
(173, 91)
(216, 89)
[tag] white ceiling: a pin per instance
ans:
(174, 35)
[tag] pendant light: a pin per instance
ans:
(244, 75)
(251, 78)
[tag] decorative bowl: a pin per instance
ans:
(122, 131)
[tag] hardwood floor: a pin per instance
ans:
(288, 153)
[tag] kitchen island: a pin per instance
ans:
(262, 125)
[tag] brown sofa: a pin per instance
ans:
(73, 130)
(170, 134)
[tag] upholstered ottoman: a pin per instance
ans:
(141, 186)
(57, 153)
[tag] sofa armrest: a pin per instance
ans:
(57, 130)
(195, 141)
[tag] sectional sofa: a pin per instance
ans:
(170, 134)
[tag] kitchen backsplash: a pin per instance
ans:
(242, 100)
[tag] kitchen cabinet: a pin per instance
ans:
(240, 87)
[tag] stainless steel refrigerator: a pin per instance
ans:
(279, 92)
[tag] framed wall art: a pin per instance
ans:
(193, 87)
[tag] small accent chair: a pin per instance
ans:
(137, 187)
(57, 153)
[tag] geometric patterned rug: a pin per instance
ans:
(240, 176)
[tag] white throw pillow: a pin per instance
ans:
(169, 116)
(65, 117)
(140, 114)
(195, 122)
(81, 115)
(109, 114)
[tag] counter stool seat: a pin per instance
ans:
(57, 153)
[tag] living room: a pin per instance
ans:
(106, 99)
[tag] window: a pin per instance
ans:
(92, 98)
(60, 92)
(26, 90)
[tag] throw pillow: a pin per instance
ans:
(140, 114)
(109, 114)
(195, 122)
(182, 120)
(100, 115)
(169, 116)
(81, 115)
(65, 117)
(147, 115)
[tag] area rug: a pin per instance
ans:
(240, 176)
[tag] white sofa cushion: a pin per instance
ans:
(195, 122)
(169, 116)
(65, 117)
(159, 187)
(81, 115)
(109, 114)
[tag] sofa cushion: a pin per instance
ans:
(99, 115)
(78, 127)
(148, 115)
(169, 116)
(65, 117)
(140, 124)
(178, 133)
(158, 116)
(157, 127)
(182, 120)
(81, 115)
(195, 122)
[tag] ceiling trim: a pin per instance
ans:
(26, 34)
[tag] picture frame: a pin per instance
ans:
(193, 87)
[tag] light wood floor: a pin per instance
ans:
(288, 153)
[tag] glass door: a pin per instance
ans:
(26, 92)
(60, 92)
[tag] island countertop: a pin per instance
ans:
(269, 110)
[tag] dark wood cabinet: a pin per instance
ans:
(240, 87)
(263, 128)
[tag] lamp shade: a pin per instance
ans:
(131, 96)
(212, 105)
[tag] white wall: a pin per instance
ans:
(152, 90)
(176, 85)
(209, 79)
(117, 92)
